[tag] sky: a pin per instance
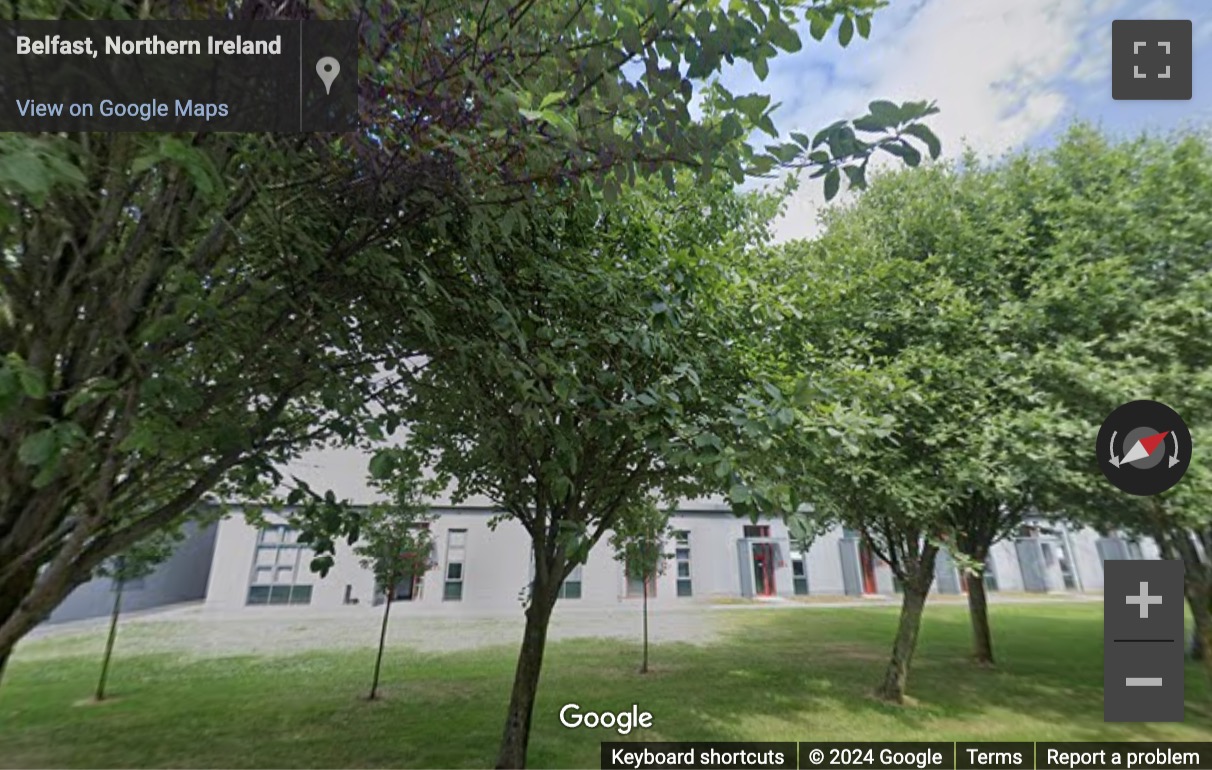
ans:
(1006, 74)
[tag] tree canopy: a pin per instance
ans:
(181, 314)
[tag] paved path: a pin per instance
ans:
(194, 630)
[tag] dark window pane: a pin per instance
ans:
(405, 590)
(683, 569)
(801, 586)
(454, 571)
(683, 588)
(258, 595)
(572, 590)
(453, 591)
(279, 594)
(300, 595)
(797, 567)
(683, 554)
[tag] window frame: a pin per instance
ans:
(456, 554)
(800, 558)
(280, 538)
(575, 578)
(681, 542)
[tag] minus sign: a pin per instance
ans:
(1142, 640)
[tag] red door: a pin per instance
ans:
(867, 561)
(763, 569)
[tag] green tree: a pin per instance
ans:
(993, 316)
(899, 345)
(138, 561)
(639, 541)
(397, 548)
(185, 313)
(1120, 303)
(395, 543)
(572, 389)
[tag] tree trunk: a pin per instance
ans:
(897, 674)
(1201, 611)
(374, 684)
(978, 612)
(12, 592)
(526, 680)
(644, 664)
(109, 643)
(1197, 585)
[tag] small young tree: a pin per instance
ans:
(638, 543)
(138, 561)
(396, 544)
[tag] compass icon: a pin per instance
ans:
(1143, 447)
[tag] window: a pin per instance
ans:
(571, 587)
(635, 584)
(281, 573)
(681, 554)
(757, 530)
(1134, 549)
(799, 573)
(456, 552)
(989, 575)
(407, 590)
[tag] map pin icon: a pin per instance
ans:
(328, 68)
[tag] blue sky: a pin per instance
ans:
(1006, 74)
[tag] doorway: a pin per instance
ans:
(867, 564)
(763, 569)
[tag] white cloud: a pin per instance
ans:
(995, 68)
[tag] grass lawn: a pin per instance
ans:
(791, 674)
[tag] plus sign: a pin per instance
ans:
(1144, 600)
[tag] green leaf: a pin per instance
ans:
(922, 132)
(869, 123)
(89, 393)
(819, 24)
(739, 494)
(551, 99)
(845, 31)
(23, 172)
(761, 67)
(885, 111)
(904, 151)
(864, 26)
(833, 181)
(31, 382)
(38, 448)
(857, 176)
(784, 36)
(381, 465)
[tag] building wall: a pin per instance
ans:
(497, 569)
(181, 578)
(496, 566)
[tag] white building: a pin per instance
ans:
(480, 570)
(483, 570)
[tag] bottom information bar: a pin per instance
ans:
(920, 755)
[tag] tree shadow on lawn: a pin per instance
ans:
(1047, 684)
